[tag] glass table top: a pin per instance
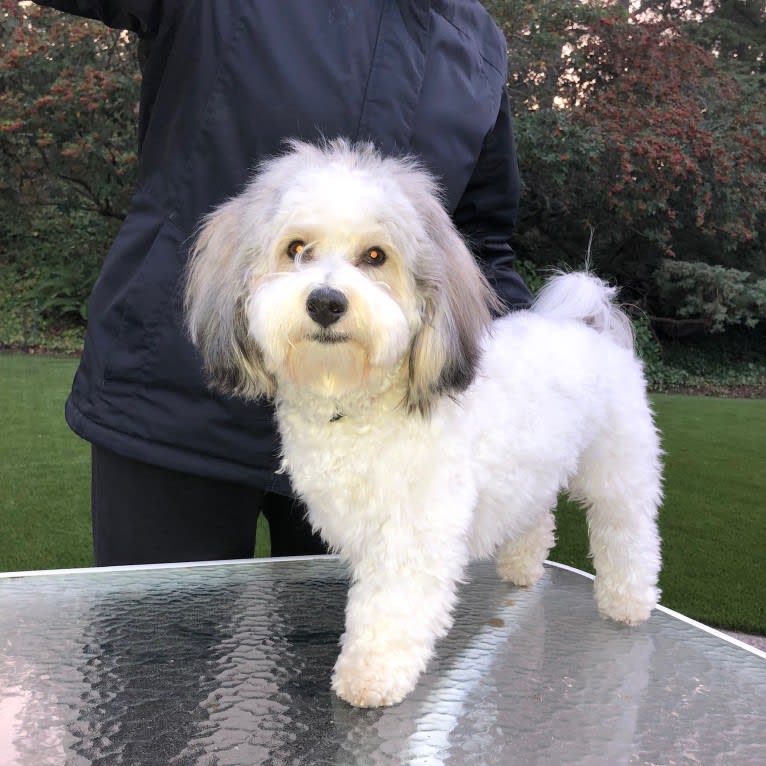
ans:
(229, 664)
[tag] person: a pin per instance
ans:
(180, 472)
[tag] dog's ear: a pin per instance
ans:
(215, 304)
(456, 305)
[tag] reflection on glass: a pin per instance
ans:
(231, 664)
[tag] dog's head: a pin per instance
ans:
(336, 269)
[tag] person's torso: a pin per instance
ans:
(225, 83)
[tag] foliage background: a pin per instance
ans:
(68, 108)
(641, 127)
(646, 133)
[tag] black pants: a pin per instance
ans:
(143, 514)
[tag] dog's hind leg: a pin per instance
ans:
(619, 482)
(519, 560)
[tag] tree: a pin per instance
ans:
(646, 133)
(68, 102)
(632, 130)
(67, 112)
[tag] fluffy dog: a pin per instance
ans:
(419, 432)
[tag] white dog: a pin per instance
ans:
(419, 432)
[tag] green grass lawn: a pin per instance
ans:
(713, 522)
(45, 470)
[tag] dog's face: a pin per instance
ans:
(333, 305)
(336, 270)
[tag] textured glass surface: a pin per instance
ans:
(230, 664)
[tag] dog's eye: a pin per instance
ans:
(295, 248)
(375, 256)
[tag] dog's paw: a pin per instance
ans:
(520, 560)
(628, 606)
(372, 679)
(519, 572)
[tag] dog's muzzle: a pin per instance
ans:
(326, 305)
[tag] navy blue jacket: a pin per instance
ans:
(224, 83)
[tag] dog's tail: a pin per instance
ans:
(582, 296)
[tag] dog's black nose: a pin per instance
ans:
(326, 305)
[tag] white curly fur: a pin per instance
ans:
(420, 433)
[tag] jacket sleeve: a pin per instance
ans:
(486, 213)
(139, 16)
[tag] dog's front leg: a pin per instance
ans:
(395, 613)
